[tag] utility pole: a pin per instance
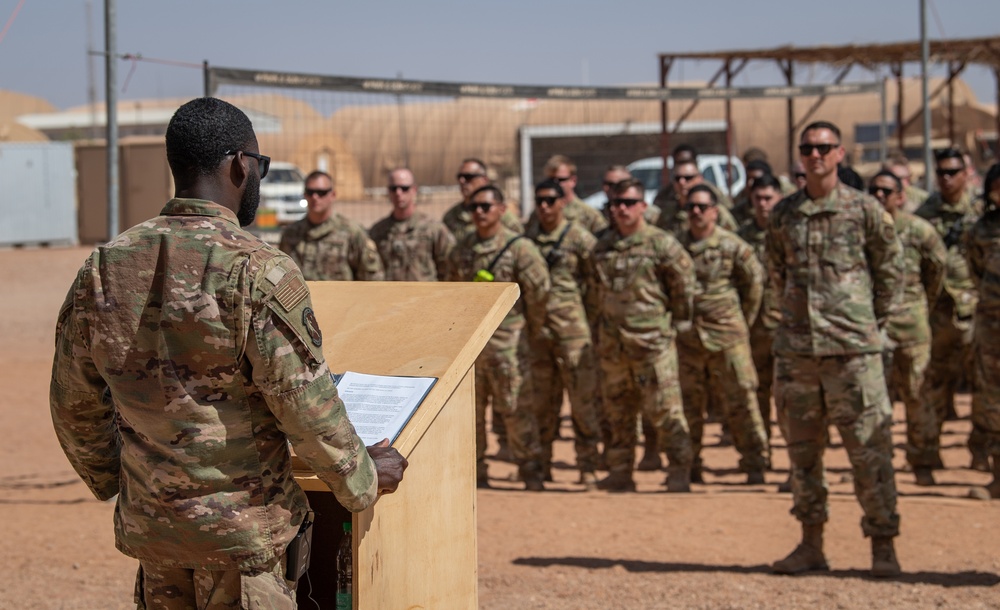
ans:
(925, 47)
(111, 99)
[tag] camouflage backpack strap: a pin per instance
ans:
(496, 259)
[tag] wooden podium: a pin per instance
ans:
(415, 548)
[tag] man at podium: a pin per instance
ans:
(187, 357)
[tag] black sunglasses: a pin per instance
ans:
(468, 177)
(824, 149)
(563, 179)
(482, 207)
(263, 161)
(949, 172)
(875, 190)
(621, 201)
(546, 201)
(400, 187)
(318, 192)
(701, 207)
(800, 175)
(684, 177)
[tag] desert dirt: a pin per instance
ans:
(566, 548)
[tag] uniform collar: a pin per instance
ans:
(198, 207)
(712, 241)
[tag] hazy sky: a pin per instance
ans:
(563, 42)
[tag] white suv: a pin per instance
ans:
(650, 169)
(282, 191)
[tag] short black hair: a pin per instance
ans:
(550, 184)
(821, 125)
(766, 181)
(492, 188)
(887, 174)
(682, 148)
(759, 164)
(703, 188)
(200, 134)
(992, 174)
(949, 153)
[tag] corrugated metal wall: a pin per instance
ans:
(37, 193)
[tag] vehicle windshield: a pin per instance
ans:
(650, 177)
(283, 176)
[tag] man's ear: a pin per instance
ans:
(238, 169)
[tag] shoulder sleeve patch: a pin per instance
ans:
(312, 327)
(290, 291)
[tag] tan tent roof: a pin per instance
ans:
(12, 105)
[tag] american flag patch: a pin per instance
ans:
(291, 292)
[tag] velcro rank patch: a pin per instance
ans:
(290, 292)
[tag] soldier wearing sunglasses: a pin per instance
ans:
(833, 257)
(562, 170)
(983, 253)
(562, 356)
(327, 245)
(714, 353)
(952, 210)
(908, 328)
(494, 253)
(413, 246)
(673, 217)
(472, 175)
(640, 287)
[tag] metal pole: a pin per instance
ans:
(789, 69)
(91, 74)
(925, 48)
(665, 65)
(729, 131)
(882, 127)
(111, 99)
(206, 78)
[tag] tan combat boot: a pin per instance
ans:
(924, 476)
(884, 563)
(617, 482)
(992, 490)
(807, 556)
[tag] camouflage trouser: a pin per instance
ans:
(951, 357)
(649, 386)
(569, 365)
(849, 392)
(499, 378)
(986, 399)
(907, 375)
(264, 587)
(730, 377)
(761, 340)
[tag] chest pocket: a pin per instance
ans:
(843, 241)
(713, 266)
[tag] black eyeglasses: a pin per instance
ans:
(481, 207)
(468, 177)
(609, 184)
(949, 172)
(546, 201)
(400, 187)
(684, 177)
(806, 150)
(318, 192)
(800, 175)
(263, 161)
(885, 191)
(701, 207)
(622, 201)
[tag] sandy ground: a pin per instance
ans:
(566, 548)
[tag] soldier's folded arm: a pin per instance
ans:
(82, 414)
(749, 282)
(883, 251)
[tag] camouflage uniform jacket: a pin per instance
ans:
(834, 265)
(730, 288)
(204, 337)
(336, 249)
(983, 243)
(924, 259)
(458, 219)
(577, 212)
(915, 197)
(769, 316)
(413, 250)
(567, 265)
(637, 286)
(674, 220)
(951, 222)
(521, 264)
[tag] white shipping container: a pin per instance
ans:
(37, 193)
